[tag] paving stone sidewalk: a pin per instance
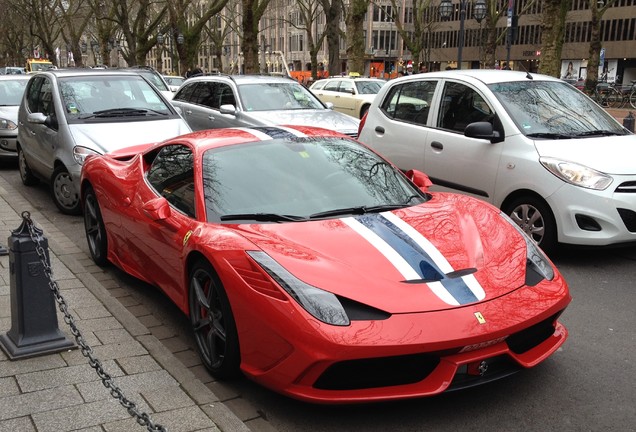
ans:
(61, 392)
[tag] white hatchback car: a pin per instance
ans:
(349, 95)
(68, 115)
(536, 147)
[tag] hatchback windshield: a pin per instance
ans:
(277, 96)
(552, 109)
(301, 178)
(97, 97)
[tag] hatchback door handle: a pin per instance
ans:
(188, 112)
(437, 145)
(210, 117)
(379, 129)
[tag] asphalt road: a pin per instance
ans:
(588, 385)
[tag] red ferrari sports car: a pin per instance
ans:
(313, 266)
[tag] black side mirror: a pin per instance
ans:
(483, 130)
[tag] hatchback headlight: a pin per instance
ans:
(578, 175)
(323, 305)
(7, 124)
(81, 153)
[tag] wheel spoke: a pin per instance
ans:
(203, 301)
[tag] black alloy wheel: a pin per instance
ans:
(213, 322)
(95, 229)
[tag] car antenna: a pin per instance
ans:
(528, 75)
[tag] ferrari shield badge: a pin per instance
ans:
(480, 318)
(187, 237)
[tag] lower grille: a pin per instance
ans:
(629, 218)
(529, 338)
(377, 372)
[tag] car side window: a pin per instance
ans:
(171, 174)
(332, 85)
(33, 94)
(205, 95)
(346, 87)
(185, 92)
(460, 106)
(225, 95)
(410, 102)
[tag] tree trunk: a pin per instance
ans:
(552, 30)
(355, 35)
(333, 13)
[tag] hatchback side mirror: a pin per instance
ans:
(483, 130)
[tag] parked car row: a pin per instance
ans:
(286, 240)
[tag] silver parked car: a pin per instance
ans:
(11, 91)
(68, 115)
(217, 101)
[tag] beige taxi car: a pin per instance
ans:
(349, 95)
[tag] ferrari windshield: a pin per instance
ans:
(554, 109)
(277, 96)
(300, 179)
(94, 97)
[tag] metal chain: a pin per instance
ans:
(107, 380)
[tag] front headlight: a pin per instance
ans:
(81, 153)
(323, 305)
(7, 124)
(578, 175)
(538, 266)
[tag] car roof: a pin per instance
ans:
(486, 76)
(244, 79)
(84, 72)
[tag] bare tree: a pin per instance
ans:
(253, 11)
(309, 11)
(552, 31)
(74, 15)
(188, 19)
(424, 19)
(333, 13)
(354, 20)
(593, 62)
(43, 24)
(14, 41)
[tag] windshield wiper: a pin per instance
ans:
(599, 133)
(549, 135)
(121, 112)
(263, 217)
(356, 210)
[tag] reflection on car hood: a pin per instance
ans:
(326, 118)
(442, 254)
(105, 137)
(608, 154)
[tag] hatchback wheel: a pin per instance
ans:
(213, 322)
(535, 218)
(65, 194)
(26, 175)
(95, 229)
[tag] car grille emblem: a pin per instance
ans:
(480, 318)
(483, 367)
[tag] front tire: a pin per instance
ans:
(95, 229)
(26, 175)
(534, 217)
(65, 194)
(213, 322)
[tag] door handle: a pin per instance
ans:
(437, 145)
(210, 117)
(379, 129)
(188, 112)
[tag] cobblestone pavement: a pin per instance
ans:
(60, 391)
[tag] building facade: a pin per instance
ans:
(284, 39)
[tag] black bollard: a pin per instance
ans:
(34, 330)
